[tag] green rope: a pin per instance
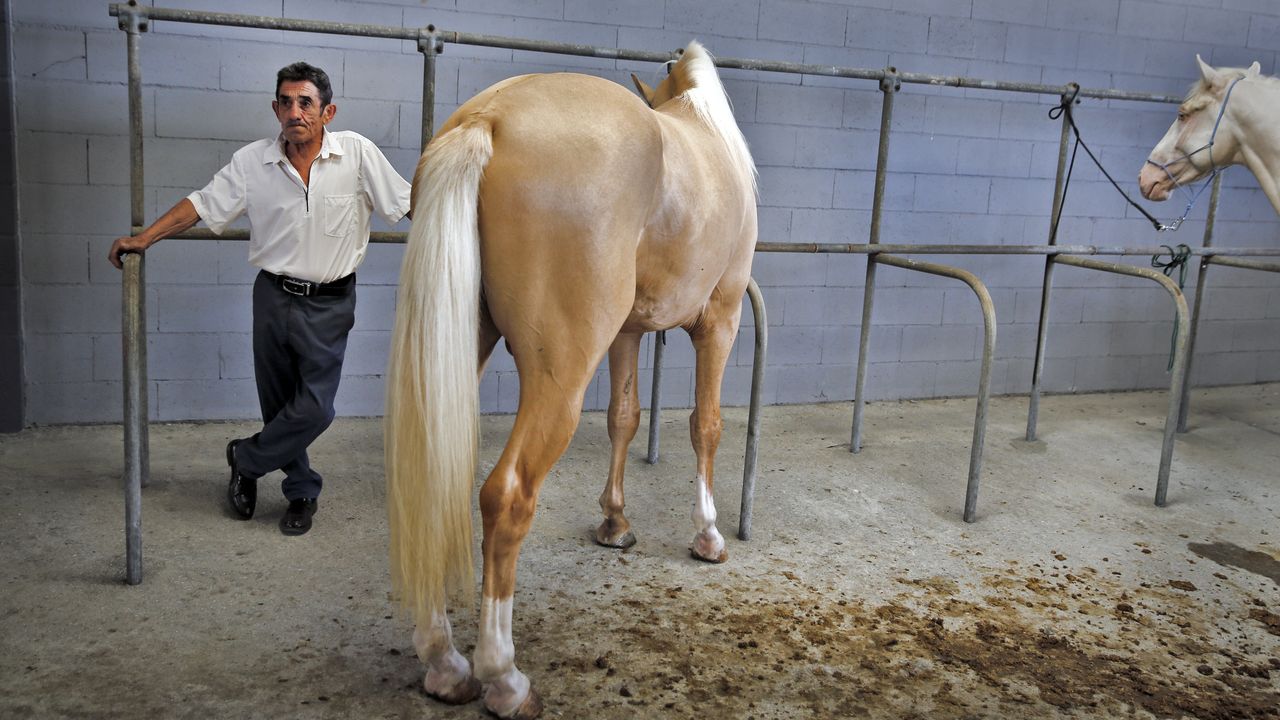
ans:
(1177, 259)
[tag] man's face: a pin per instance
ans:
(298, 108)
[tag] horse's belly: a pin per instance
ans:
(664, 306)
(646, 318)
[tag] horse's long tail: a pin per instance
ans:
(432, 426)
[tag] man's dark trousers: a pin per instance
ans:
(298, 346)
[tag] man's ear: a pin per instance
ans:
(646, 92)
(329, 111)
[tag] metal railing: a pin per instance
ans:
(134, 19)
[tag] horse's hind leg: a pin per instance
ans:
(550, 406)
(449, 677)
(624, 418)
(712, 341)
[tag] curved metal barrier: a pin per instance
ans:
(1179, 358)
(984, 375)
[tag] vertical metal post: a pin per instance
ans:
(984, 400)
(753, 416)
(889, 85)
(135, 410)
(655, 400)
(1195, 313)
(1176, 385)
(1042, 333)
(430, 46)
(133, 323)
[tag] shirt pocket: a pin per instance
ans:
(339, 213)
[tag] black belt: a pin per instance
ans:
(307, 288)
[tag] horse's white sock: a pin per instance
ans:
(708, 543)
(506, 687)
(446, 667)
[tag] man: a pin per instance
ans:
(309, 193)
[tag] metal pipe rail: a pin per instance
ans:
(137, 442)
(396, 237)
(984, 376)
(753, 414)
(655, 396)
(889, 87)
(1201, 279)
(977, 249)
(888, 91)
(562, 48)
(1244, 264)
(1042, 329)
(1179, 357)
(136, 447)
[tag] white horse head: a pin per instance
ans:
(1226, 119)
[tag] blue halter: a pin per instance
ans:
(1213, 168)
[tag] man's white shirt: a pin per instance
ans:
(316, 232)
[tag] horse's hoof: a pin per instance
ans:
(528, 710)
(723, 556)
(620, 542)
(460, 693)
(608, 534)
(708, 546)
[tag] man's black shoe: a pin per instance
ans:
(242, 492)
(297, 519)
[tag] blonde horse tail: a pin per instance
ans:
(432, 418)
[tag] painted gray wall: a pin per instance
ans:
(968, 166)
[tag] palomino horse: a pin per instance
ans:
(1229, 118)
(562, 214)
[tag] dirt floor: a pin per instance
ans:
(861, 594)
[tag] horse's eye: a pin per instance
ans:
(1182, 117)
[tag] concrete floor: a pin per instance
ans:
(862, 594)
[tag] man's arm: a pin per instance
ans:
(180, 217)
(387, 191)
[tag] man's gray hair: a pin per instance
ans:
(300, 72)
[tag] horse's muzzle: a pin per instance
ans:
(1154, 182)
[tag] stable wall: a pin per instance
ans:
(966, 167)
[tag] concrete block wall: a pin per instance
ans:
(967, 166)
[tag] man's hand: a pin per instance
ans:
(179, 217)
(126, 244)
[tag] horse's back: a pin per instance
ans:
(568, 130)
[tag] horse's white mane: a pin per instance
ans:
(710, 102)
(1201, 86)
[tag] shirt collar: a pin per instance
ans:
(275, 153)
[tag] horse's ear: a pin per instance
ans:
(1207, 72)
(646, 92)
(1254, 70)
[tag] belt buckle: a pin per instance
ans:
(301, 288)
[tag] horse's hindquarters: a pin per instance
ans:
(576, 165)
